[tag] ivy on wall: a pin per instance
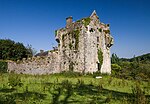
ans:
(100, 56)
(86, 21)
(76, 36)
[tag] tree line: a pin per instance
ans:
(137, 68)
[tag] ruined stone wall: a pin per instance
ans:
(107, 42)
(36, 65)
(78, 45)
(81, 54)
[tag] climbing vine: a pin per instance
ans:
(75, 34)
(86, 21)
(100, 56)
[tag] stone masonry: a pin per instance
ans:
(83, 46)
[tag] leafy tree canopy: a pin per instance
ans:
(10, 50)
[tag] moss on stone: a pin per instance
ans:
(86, 21)
(100, 30)
(100, 56)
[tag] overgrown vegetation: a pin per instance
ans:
(14, 81)
(100, 56)
(137, 68)
(75, 34)
(139, 95)
(69, 87)
(86, 21)
(10, 50)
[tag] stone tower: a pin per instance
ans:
(84, 45)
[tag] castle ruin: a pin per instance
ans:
(83, 46)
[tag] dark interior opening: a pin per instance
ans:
(99, 67)
(58, 40)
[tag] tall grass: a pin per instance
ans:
(75, 88)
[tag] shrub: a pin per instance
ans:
(115, 68)
(115, 59)
(97, 73)
(3, 66)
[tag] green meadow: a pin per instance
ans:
(69, 88)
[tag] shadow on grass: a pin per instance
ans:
(11, 98)
(64, 89)
(96, 92)
(33, 95)
(7, 99)
(6, 90)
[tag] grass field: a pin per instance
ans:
(61, 89)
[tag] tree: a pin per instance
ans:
(10, 50)
(114, 59)
(31, 50)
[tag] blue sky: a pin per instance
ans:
(34, 21)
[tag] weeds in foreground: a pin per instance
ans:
(14, 81)
(71, 90)
(139, 94)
